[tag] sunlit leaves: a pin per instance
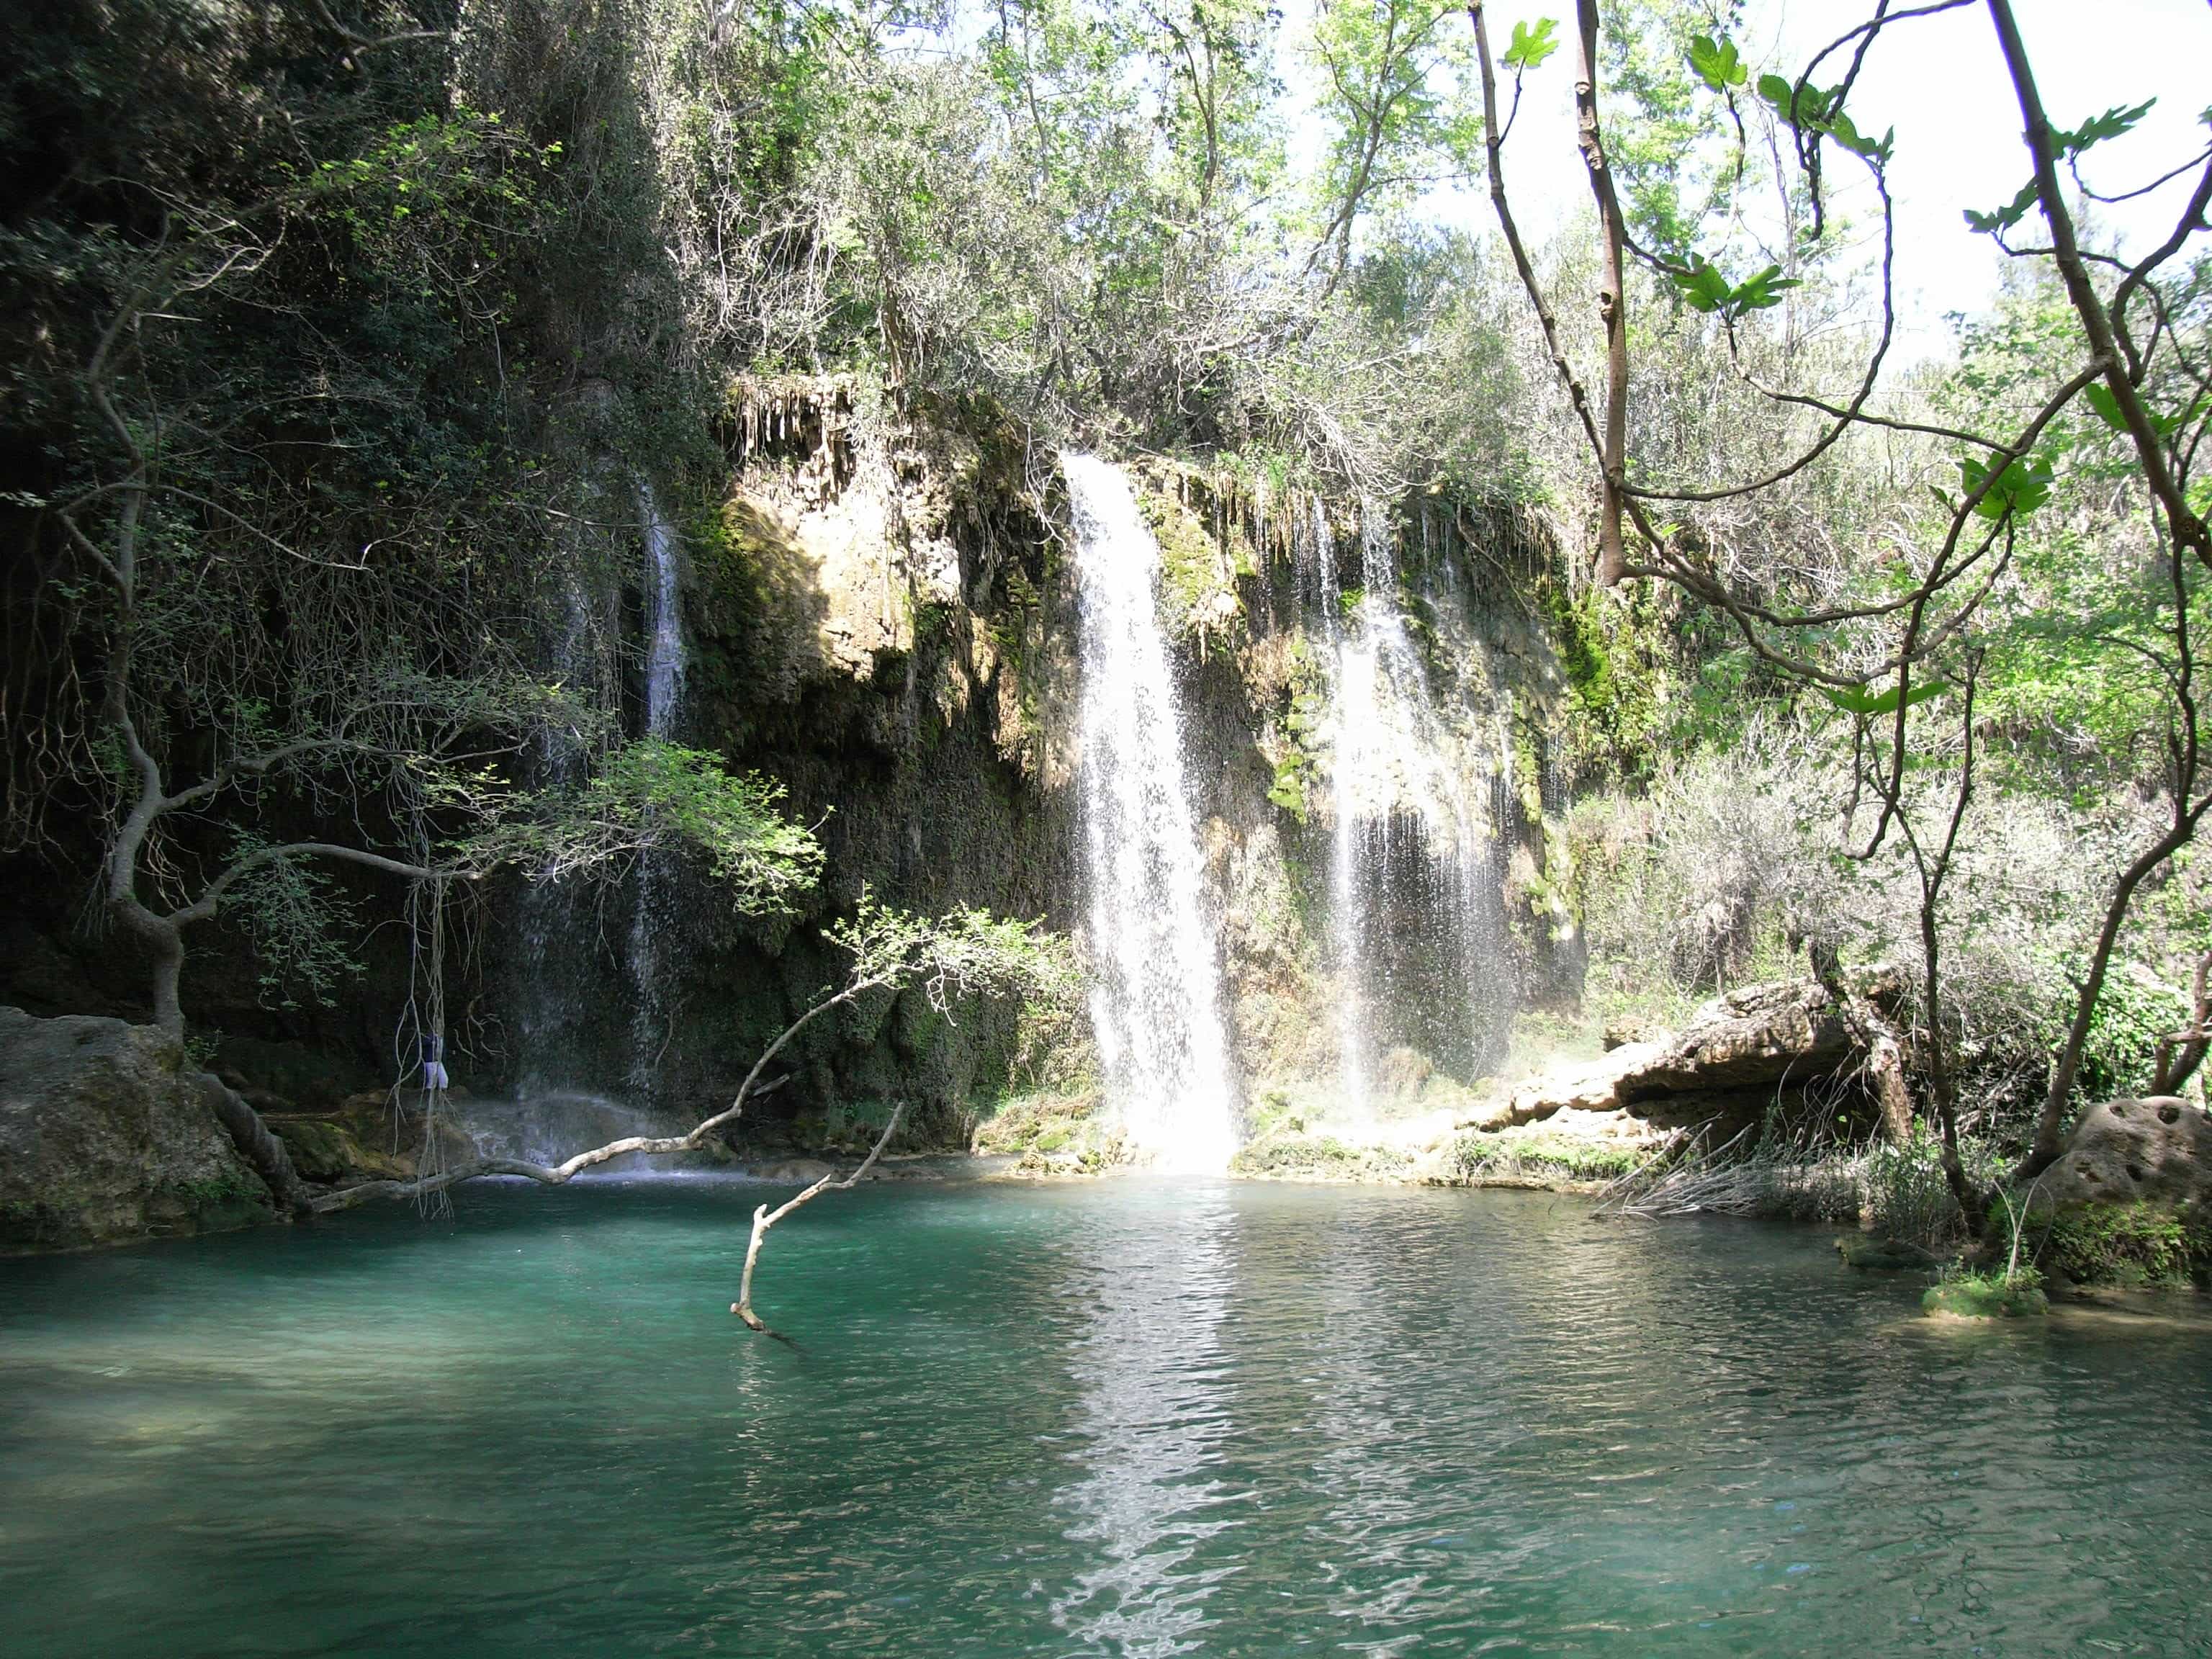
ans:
(2068, 146)
(2006, 217)
(2100, 398)
(2111, 124)
(1810, 109)
(2023, 486)
(1717, 62)
(654, 794)
(1531, 46)
(1704, 288)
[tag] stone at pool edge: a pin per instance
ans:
(106, 1137)
(2130, 1199)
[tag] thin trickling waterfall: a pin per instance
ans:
(664, 651)
(664, 693)
(1406, 838)
(1157, 1001)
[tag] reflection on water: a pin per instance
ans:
(1125, 1418)
(1153, 1413)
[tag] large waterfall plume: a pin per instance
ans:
(1157, 998)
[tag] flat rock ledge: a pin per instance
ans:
(1732, 1059)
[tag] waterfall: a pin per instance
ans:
(1157, 1000)
(664, 651)
(664, 692)
(1407, 841)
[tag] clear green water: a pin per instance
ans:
(1127, 1417)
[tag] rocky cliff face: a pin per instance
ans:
(877, 615)
(876, 611)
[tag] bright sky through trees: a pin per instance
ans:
(1940, 82)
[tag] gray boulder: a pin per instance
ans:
(106, 1135)
(2127, 1151)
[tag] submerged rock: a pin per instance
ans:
(106, 1135)
(1872, 1255)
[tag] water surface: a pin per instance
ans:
(1127, 1417)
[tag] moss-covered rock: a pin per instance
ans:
(105, 1136)
(1293, 1156)
(1975, 1296)
(1870, 1254)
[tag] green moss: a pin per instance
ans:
(1197, 579)
(1517, 1155)
(1617, 654)
(1988, 1295)
(1293, 1157)
(1045, 1121)
(2129, 1245)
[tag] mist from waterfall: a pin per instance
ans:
(1156, 1001)
(1408, 852)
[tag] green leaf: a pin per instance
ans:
(1859, 702)
(2006, 216)
(1703, 287)
(1717, 62)
(2111, 124)
(1530, 47)
(2020, 490)
(2108, 407)
(1759, 293)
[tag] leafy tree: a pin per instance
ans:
(1920, 626)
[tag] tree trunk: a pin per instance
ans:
(168, 974)
(1878, 1039)
(262, 1150)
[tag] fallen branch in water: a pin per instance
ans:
(964, 953)
(764, 1219)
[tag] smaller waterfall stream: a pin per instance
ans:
(664, 693)
(1157, 998)
(1407, 855)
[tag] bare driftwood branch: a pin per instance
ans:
(764, 1219)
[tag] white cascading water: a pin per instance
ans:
(664, 692)
(1392, 765)
(1155, 1003)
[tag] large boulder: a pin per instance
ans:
(2129, 1200)
(2133, 1151)
(1757, 1038)
(106, 1135)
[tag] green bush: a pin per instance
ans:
(1904, 1194)
(2129, 1245)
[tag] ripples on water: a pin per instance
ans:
(1131, 1417)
